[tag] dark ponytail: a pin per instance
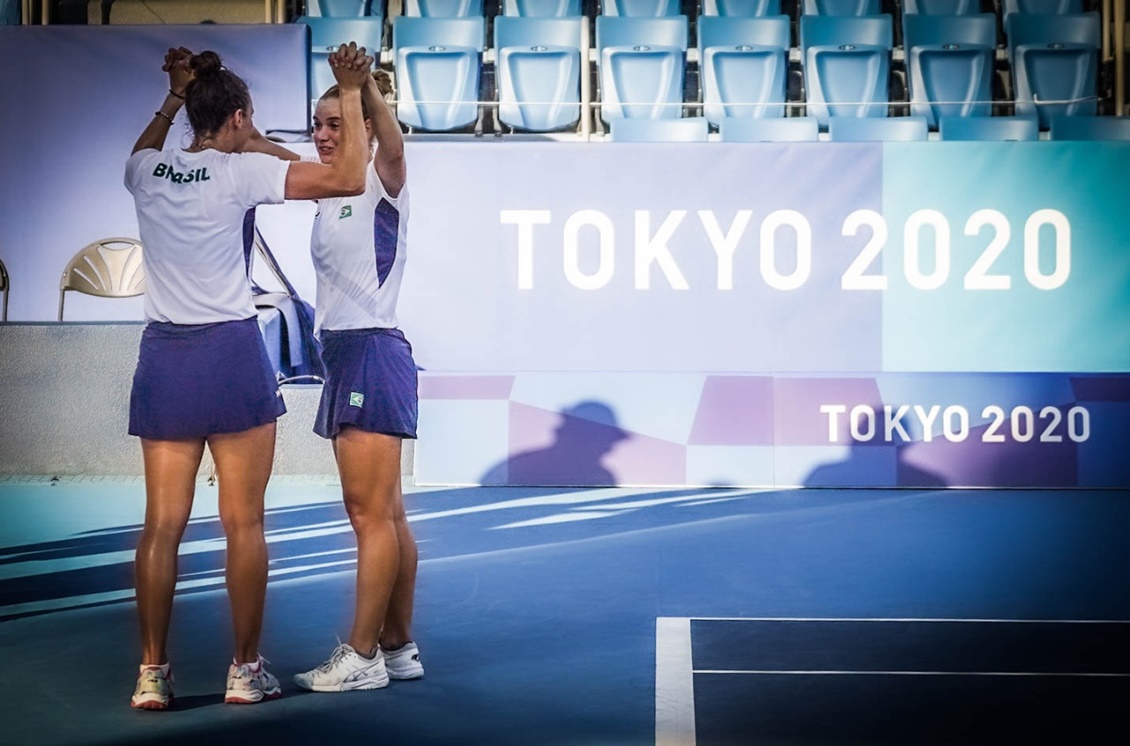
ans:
(214, 94)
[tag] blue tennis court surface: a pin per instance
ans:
(604, 616)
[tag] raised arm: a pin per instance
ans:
(260, 144)
(346, 175)
(389, 161)
(176, 65)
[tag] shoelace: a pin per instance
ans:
(339, 653)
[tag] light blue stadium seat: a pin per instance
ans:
(782, 129)
(341, 8)
(888, 129)
(1089, 128)
(641, 65)
(846, 62)
(9, 12)
(443, 8)
(841, 7)
(941, 7)
(438, 63)
(949, 64)
(690, 129)
(743, 65)
(989, 128)
(1043, 7)
(542, 8)
(327, 33)
(538, 63)
(641, 8)
(1054, 61)
(741, 8)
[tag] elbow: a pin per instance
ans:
(354, 187)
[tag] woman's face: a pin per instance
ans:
(327, 128)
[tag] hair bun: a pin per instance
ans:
(206, 64)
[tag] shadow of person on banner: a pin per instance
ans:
(868, 462)
(587, 433)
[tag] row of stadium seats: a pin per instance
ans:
(742, 67)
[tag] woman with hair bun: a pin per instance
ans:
(203, 376)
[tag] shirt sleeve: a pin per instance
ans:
(262, 178)
(135, 165)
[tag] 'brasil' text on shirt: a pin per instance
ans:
(165, 171)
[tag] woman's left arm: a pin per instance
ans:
(176, 65)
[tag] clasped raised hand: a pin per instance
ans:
(351, 66)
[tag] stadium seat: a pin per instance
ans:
(1054, 61)
(9, 15)
(641, 65)
(329, 32)
(438, 63)
(443, 8)
(949, 62)
(1089, 128)
(1042, 7)
(147, 12)
(107, 268)
(542, 8)
(341, 8)
(841, 7)
(989, 128)
(743, 66)
(690, 129)
(641, 8)
(941, 7)
(777, 129)
(740, 8)
(846, 63)
(887, 129)
(538, 63)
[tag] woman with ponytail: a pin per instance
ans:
(203, 376)
(369, 401)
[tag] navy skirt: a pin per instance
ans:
(195, 380)
(370, 383)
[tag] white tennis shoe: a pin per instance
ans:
(404, 662)
(249, 683)
(345, 671)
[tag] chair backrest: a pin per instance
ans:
(777, 129)
(856, 129)
(329, 32)
(940, 7)
(641, 8)
(9, 13)
(620, 31)
(3, 292)
(841, 7)
(989, 128)
(108, 268)
(1054, 61)
(538, 67)
(438, 66)
(949, 64)
(846, 62)
(1039, 7)
(743, 66)
(690, 129)
(542, 8)
(1089, 128)
(146, 12)
(443, 8)
(740, 8)
(340, 8)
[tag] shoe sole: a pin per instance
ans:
(237, 699)
(150, 704)
(349, 686)
(406, 676)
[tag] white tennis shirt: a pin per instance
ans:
(190, 209)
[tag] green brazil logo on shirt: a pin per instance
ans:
(346, 211)
(356, 399)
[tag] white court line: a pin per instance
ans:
(674, 682)
(674, 668)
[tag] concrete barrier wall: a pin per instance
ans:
(64, 406)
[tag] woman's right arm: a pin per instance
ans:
(346, 175)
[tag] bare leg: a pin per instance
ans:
(397, 628)
(243, 467)
(369, 464)
(170, 482)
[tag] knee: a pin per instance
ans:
(242, 522)
(368, 510)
